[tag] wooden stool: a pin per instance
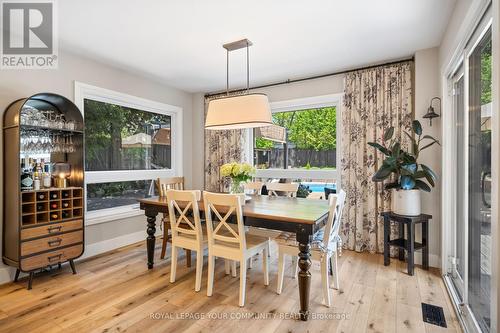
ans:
(409, 243)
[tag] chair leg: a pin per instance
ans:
(265, 266)
(295, 266)
(227, 266)
(325, 282)
(199, 269)
(333, 263)
(188, 257)
(281, 270)
(233, 268)
(243, 281)
(173, 262)
(164, 241)
(211, 267)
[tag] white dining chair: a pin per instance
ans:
(187, 232)
(284, 189)
(324, 247)
(253, 187)
(231, 243)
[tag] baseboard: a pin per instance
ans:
(434, 259)
(114, 243)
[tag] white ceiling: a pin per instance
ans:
(179, 42)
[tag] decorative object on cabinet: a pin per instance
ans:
(43, 184)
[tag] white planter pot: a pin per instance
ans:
(406, 202)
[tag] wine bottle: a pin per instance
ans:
(54, 195)
(53, 205)
(54, 216)
(65, 204)
(39, 208)
(26, 179)
(41, 196)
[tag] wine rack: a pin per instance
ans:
(51, 205)
(42, 227)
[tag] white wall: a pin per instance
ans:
(15, 84)
(427, 86)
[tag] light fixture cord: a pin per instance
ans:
(227, 72)
(248, 71)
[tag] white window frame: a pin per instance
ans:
(304, 104)
(86, 91)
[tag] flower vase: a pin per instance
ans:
(236, 187)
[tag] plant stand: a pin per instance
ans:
(409, 243)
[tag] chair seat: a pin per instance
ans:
(183, 235)
(251, 240)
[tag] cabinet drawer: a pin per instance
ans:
(51, 258)
(51, 242)
(47, 230)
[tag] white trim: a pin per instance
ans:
(297, 174)
(86, 91)
(94, 249)
(112, 214)
(306, 103)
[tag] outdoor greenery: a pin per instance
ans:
(409, 174)
(486, 74)
(314, 129)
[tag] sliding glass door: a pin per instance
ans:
(469, 265)
(478, 175)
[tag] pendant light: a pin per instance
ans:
(242, 111)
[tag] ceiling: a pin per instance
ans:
(179, 42)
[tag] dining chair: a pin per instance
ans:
(162, 186)
(324, 247)
(253, 187)
(282, 189)
(187, 232)
(231, 243)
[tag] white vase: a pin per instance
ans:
(406, 202)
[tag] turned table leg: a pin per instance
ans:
(150, 240)
(304, 275)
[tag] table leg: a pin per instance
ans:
(387, 232)
(150, 240)
(425, 243)
(303, 237)
(411, 246)
(401, 230)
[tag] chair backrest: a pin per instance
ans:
(219, 208)
(288, 189)
(172, 183)
(253, 187)
(180, 205)
(336, 202)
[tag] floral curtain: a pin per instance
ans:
(222, 147)
(374, 99)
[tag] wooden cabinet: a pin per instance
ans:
(43, 206)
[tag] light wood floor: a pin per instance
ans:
(115, 292)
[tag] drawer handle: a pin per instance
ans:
(54, 229)
(53, 258)
(55, 242)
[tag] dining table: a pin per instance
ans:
(302, 216)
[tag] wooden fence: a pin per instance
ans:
(297, 158)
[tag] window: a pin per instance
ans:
(311, 147)
(129, 142)
(311, 141)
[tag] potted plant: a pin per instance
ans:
(239, 173)
(407, 176)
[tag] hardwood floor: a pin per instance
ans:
(115, 292)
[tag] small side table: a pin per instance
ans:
(409, 243)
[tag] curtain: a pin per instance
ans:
(374, 100)
(221, 147)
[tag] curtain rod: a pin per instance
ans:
(312, 77)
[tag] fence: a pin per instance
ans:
(297, 158)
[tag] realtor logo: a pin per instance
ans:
(28, 35)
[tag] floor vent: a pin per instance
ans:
(433, 315)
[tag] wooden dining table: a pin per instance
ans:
(302, 216)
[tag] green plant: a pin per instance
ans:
(303, 191)
(408, 173)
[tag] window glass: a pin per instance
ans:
(116, 194)
(122, 138)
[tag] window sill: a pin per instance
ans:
(112, 214)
